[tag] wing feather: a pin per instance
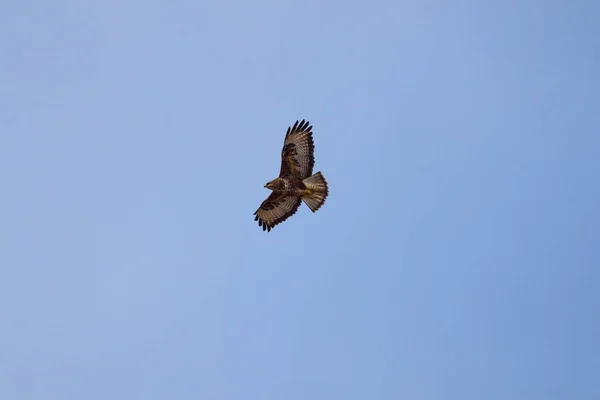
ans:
(298, 154)
(275, 209)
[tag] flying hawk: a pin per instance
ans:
(296, 182)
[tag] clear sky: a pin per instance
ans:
(457, 256)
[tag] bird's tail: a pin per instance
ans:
(317, 185)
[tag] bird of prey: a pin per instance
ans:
(296, 182)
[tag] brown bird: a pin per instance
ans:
(295, 183)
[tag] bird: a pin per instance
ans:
(296, 181)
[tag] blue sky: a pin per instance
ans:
(457, 256)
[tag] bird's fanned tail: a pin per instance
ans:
(317, 185)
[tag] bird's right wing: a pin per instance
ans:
(276, 209)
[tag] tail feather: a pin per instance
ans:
(317, 185)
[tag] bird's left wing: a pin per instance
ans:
(276, 209)
(298, 153)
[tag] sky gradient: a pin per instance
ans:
(458, 253)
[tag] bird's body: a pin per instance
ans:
(286, 184)
(295, 182)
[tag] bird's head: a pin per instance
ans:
(270, 184)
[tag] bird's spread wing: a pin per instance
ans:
(298, 154)
(276, 209)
